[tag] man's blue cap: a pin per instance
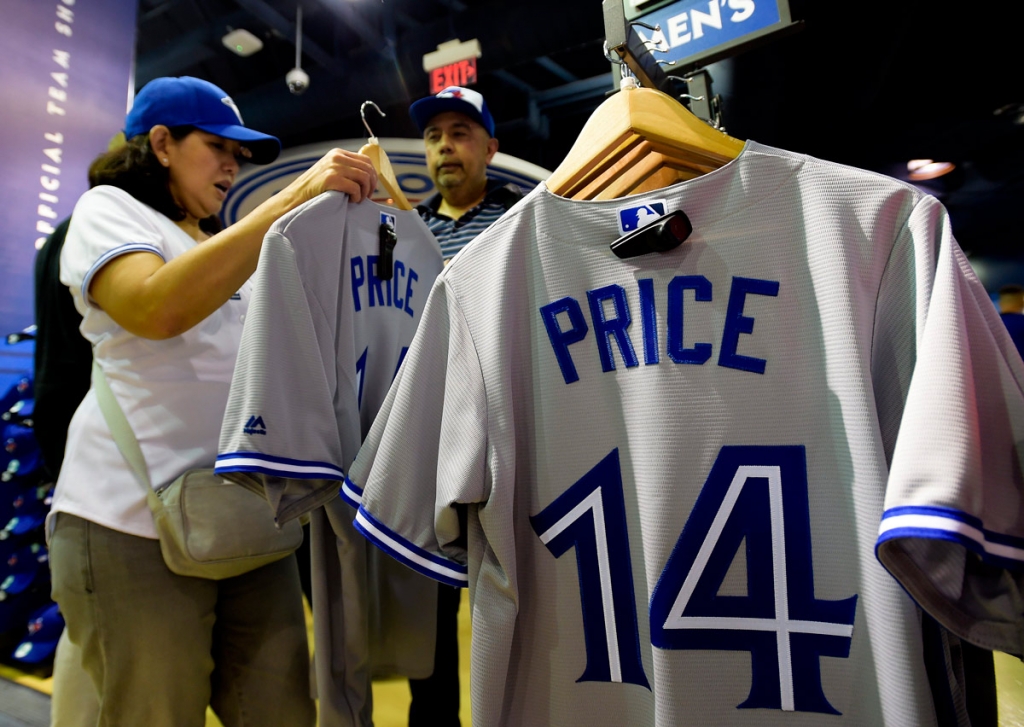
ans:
(188, 101)
(44, 629)
(454, 98)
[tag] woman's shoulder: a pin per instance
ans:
(105, 196)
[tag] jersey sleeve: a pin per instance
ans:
(953, 527)
(106, 223)
(425, 456)
(280, 432)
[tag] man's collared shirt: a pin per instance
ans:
(453, 235)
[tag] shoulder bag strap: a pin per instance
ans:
(123, 435)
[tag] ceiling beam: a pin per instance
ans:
(371, 37)
(550, 66)
(286, 29)
(184, 51)
(587, 88)
(514, 81)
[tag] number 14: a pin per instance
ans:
(752, 494)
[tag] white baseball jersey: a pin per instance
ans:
(326, 332)
(662, 477)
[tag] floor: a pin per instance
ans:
(391, 698)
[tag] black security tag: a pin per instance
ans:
(666, 233)
(388, 240)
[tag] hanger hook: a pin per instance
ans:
(362, 113)
(612, 57)
(652, 28)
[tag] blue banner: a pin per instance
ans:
(698, 27)
(65, 81)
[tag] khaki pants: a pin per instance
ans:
(160, 647)
(75, 702)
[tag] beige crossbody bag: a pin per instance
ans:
(208, 527)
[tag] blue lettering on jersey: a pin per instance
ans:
(408, 293)
(590, 518)
(565, 325)
(613, 327)
(399, 273)
(361, 376)
(701, 288)
(373, 285)
(737, 323)
(754, 497)
(371, 291)
(649, 321)
(562, 339)
(358, 278)
(632, 218)
(255, 425)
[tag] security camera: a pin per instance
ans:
(297, 80)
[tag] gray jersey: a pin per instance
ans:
(326, 332)
(662, 478)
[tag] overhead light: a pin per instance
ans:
(242, 42)
(920, 170)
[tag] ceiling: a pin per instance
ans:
(867, 84)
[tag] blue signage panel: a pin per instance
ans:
(692, 29)
(65, 70)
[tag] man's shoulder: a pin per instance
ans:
(502, 193)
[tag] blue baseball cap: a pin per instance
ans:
(188, 101)
(454, 98)
(22, 568)
(20, 450)
(14, 388)
(45, 626)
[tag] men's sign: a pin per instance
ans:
(258, 183)
(699, 32)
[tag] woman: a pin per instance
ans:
(163, 302)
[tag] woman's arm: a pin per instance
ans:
(157, 300)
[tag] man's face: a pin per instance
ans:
(458, 151)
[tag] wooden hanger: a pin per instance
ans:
(638, 140)
(380, 161)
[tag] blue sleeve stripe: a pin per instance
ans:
(278, 460)
(296, 469)
(952, 525)
(421, 561)
(948, 512)
(351, 493)
(110, 255)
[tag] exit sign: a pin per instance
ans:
(460, 73)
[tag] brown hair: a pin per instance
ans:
(134, 168)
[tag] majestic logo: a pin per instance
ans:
(231, 105)
(633, 218)
(255, 425)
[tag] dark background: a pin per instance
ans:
(868, 84)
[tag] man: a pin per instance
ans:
(458, 132)
(1011, 310)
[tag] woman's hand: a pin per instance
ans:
(339, 170)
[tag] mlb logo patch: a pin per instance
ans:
(386, 219)
(633, 218)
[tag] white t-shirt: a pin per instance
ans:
(173, 392)
(662, 478)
